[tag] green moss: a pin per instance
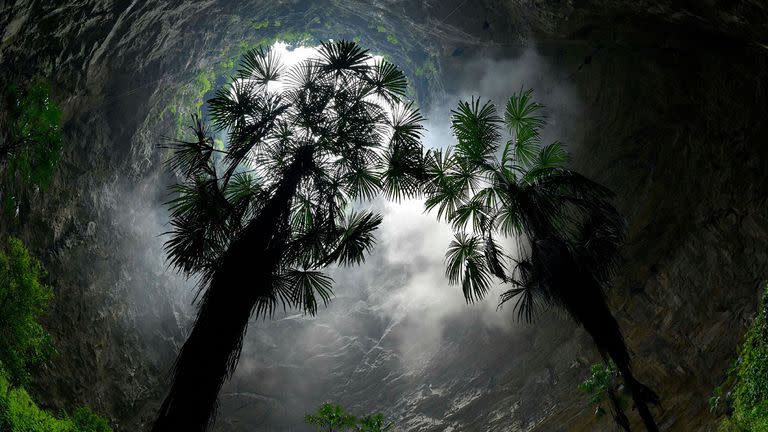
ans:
(258, 25)
(392, 39)
(428, 69)
(748, 380)
(88, 421)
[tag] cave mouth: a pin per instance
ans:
(662, 102)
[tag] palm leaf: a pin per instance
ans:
(193, 158)
(389, 81)
(476, 129)
(362, 184)
(344, 56)
(472, 211)
(403, 170)
(231, 105)
(260, 66)
(552, 156)
(355, 238)
(465, 264)
(305, 286)
(407, 125)
(527, 146)
(522, 112)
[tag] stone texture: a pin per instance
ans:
(675, 106)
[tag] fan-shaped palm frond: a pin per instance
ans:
(355, 238)
(472, 211)
(304, 286)
(477, 130)
(232, 105)
(522, 112)
(465, 264)
(388, 81)
(193, 158)
(527, 146)
(260, 65)
(363, 184)
(344, 56)
(495, 256)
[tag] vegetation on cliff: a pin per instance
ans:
(333, 418)
(30, 145)
(24, 343)
(746, 396)
(605, 389)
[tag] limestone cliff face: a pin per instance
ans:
(674, 101)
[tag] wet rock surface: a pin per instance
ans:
(674, 107)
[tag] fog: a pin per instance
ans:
(390, 317)
(394, 324)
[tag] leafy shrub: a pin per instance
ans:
(333, 418)
(24, 343)
(605, 390)
(32, 144)
(23, 299)
(19, 413)
(747, 400)
(86, 420)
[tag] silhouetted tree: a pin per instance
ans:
(258, 220)
(566, 231)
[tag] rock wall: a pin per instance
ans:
(674, 98)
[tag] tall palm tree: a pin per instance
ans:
(566, 232)
(257, 220)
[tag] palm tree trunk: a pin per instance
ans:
(618, 413)
(639, 396)
(246, 274)
(585, 301)
(600, 323)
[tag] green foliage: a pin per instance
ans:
(748, 398)
(258, 25)
(333, 418)
(603, 379)
(23, 299)
(24, 343)
(428, 69)
(33, 142)
(483, 195)
(378, 152)
(86, 420)
(19, 413)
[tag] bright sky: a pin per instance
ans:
(290, 56)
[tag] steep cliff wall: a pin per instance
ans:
(672, 117)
